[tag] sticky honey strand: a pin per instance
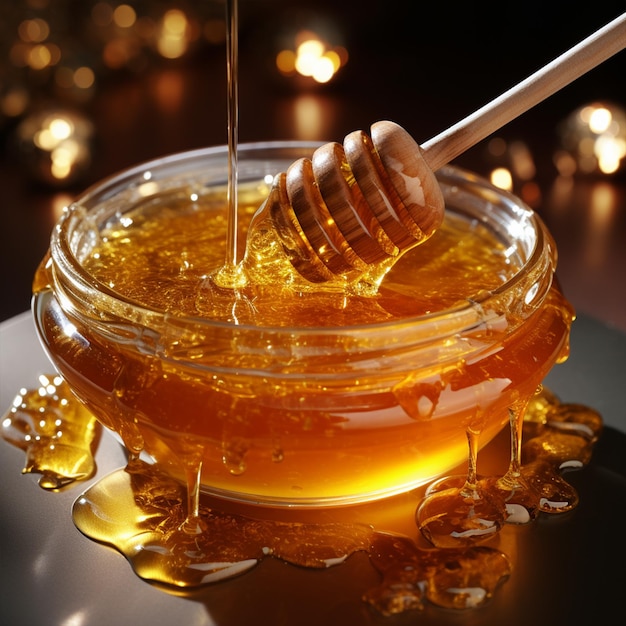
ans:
(139, 511)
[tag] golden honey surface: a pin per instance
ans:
(162, 256)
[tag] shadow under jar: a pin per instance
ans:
(277, 395)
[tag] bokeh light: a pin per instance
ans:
(513, 169)
(311, 57)
(56, 146)
(173, 37)
(593, 140)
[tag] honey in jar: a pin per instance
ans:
(272, 392)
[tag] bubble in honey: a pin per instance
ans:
(278, 454)
(55, 431)
(234, 450)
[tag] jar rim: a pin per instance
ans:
(541, 253)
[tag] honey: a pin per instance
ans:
(57, 433)
(275, 394)
(139, 510)
(297, 399)
(238, 382)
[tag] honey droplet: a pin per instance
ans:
(561, 439)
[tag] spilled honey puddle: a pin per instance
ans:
(140, 511)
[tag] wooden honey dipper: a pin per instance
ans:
(371, 199)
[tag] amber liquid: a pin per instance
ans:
(303, 431)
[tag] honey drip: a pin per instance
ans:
(457, 512)
(230, 275)
(142, 512)
(557, 436)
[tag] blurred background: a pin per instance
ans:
(89, 87)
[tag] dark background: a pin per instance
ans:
(423, 65)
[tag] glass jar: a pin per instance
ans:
(298, 415)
